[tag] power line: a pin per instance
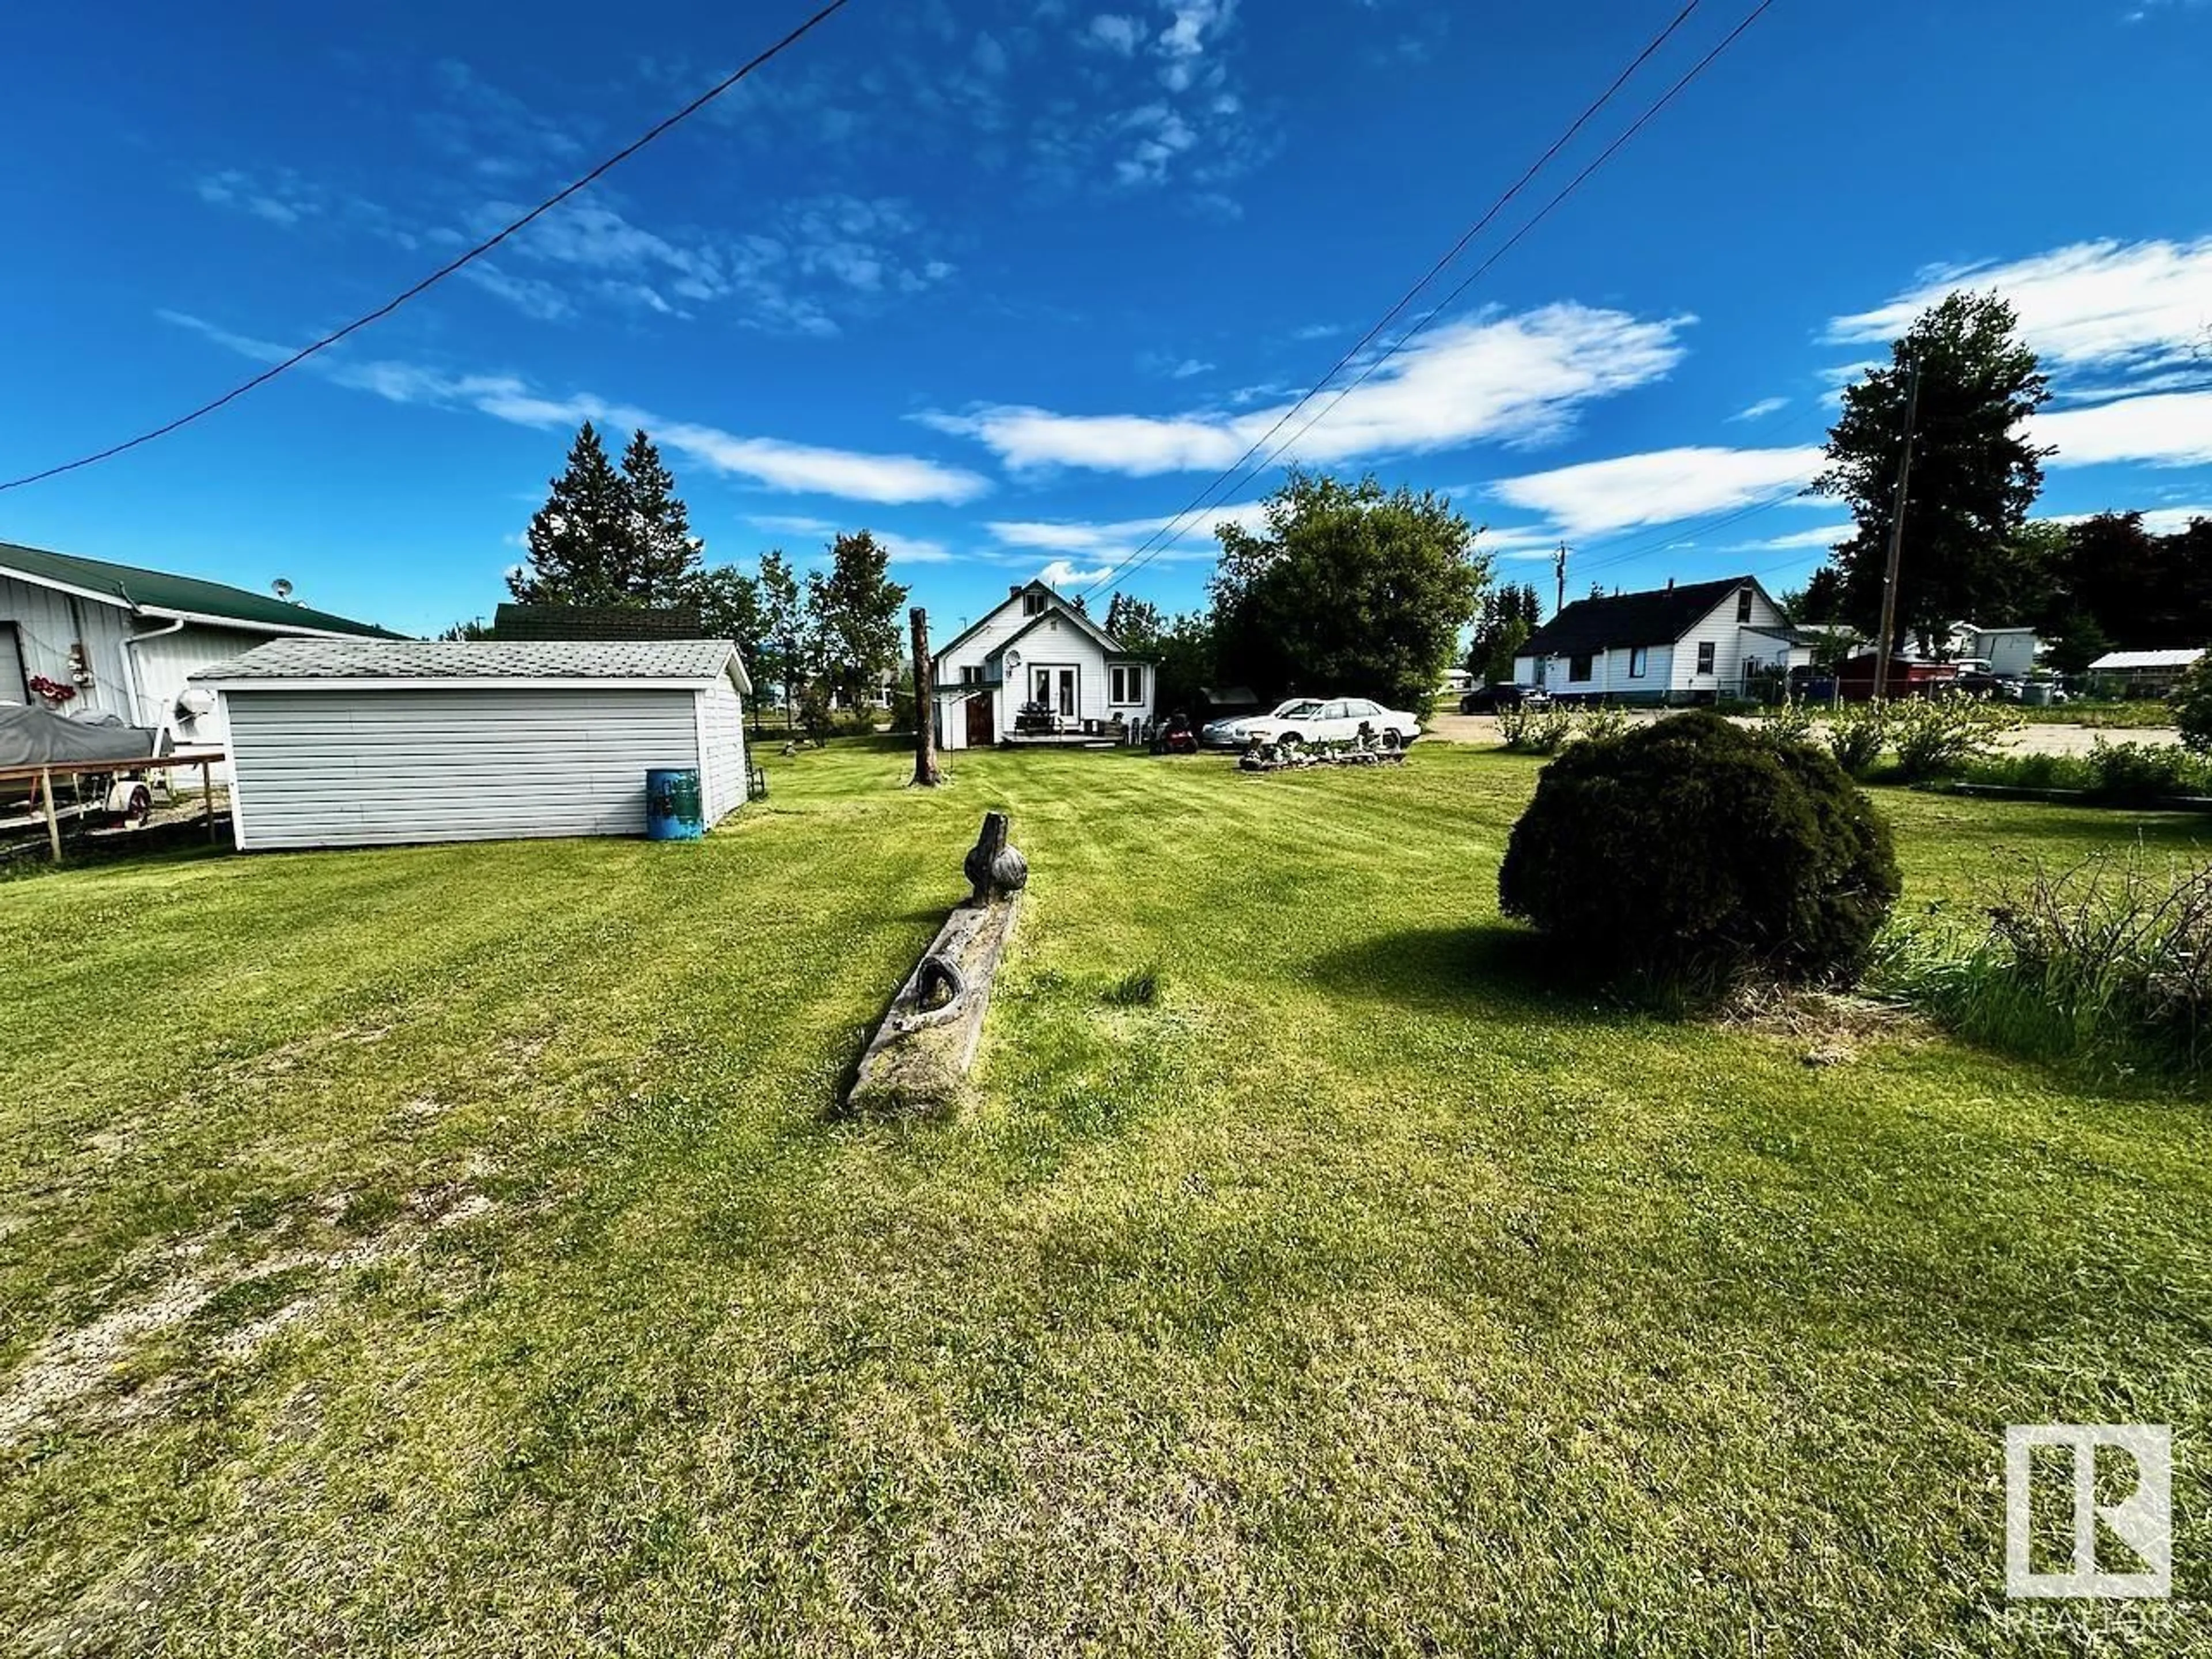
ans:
(1198, 501)
(452, 264)
(1174, 531)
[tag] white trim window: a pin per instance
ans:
(1125, 684)
(1639, 661)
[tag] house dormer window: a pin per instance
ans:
(1032, 602)
(1743, 605)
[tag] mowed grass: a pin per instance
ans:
(452, 1250)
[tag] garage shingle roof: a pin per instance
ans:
(476, 660)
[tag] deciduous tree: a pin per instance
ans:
(1346, 588)
(1975, 473)
(855, 611)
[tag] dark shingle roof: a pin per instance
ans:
(1658, 617)
(476, 660)
(158, 590)
(595, 622)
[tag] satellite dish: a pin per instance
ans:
(1013, 659)
(281, 588)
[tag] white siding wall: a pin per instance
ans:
(722, 766)
(1729, 647)
(1057, 643)
(48, 622)
(351, 767)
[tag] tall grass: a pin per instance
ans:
(2108, 961)
(2123, 774)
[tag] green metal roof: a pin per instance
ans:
(159, 592)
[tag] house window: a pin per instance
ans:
(1639, 659)
(1032, 603)
(1743, 605)
(971, 674)
(1125, 684)
(1578, 668)
(1704, 656)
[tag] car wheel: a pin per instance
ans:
(1289, 740)
(1393, 739)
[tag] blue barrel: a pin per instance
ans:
(672, 804)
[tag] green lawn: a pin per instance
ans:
(450, 1250)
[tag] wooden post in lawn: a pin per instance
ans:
(207, 796)
(925, 703)
(53, 824)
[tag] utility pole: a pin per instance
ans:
(1560, 570)
(925, 703)
(1885, 642)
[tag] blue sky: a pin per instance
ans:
(1009, 281)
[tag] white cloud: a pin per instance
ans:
(1517, 380)
(1061, 574)
(1824, 536)
(1762, 409)
(2158, 520)
(914, 549)
(2171, 428)
(1597, 498)
(2099, 303)
(1119, 542)
(280, 198)
(1114, 33)
(772, 462)
(791, 524)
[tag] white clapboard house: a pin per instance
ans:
(1673, 645)
(1035, 651)
(89, 639)
(358, 743)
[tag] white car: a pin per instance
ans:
(1315, 720)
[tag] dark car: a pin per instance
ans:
(1490, 699)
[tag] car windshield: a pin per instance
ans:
(1297, 708)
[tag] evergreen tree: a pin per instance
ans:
(729, 605)
(1136, 624)
(665, 553)
(582, 542)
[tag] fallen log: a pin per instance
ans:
(916, 1064)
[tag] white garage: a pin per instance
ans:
(360, 743)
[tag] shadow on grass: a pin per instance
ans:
(1507, 968)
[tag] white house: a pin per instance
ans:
(2009, 651)
(123, 640)
(1037, 648)
(1675, 644)
(355, 743)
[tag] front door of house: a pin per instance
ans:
(980, 734)
(1067, 703)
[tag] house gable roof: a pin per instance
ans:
(678, 662)
(1659, 617)
(1053, 603)
(1054, 610)
(163, 595)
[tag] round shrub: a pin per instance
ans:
(1695, 855)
